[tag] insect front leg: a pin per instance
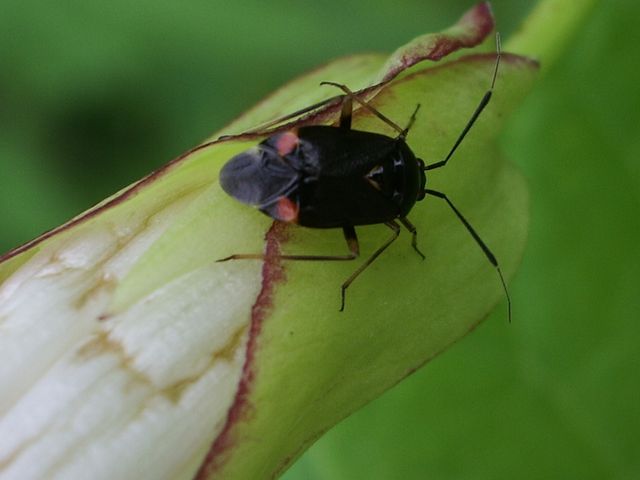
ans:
(414, 235)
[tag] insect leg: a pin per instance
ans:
(345, 114)
(349, 235)
(352, 242)
(396, 231)
(366, 106)
(483, 103)
(490, 256)
(410, 124)
(412, 229)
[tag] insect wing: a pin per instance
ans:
(258, 177)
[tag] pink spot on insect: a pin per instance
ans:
(287, 142)
(287, 210)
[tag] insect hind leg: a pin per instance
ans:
(411, 122)
(349, 235)
(268, 126)
(366, 106)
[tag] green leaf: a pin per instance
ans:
(549, 28)
(322, 364)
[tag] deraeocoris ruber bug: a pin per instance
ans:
(323, 176)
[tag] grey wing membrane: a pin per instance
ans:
(258, 177)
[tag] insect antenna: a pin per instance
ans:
(481, 106)
(483, 103)
(488, 253)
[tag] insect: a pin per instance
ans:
(323, 176)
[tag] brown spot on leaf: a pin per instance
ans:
(272, 274)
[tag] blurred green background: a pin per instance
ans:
(95, 95)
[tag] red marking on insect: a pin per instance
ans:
(287, 210)
(287, 142)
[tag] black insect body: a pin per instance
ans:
(336, 177)
(326, 177)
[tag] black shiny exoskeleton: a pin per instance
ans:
(327, 177)
(336, 177)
